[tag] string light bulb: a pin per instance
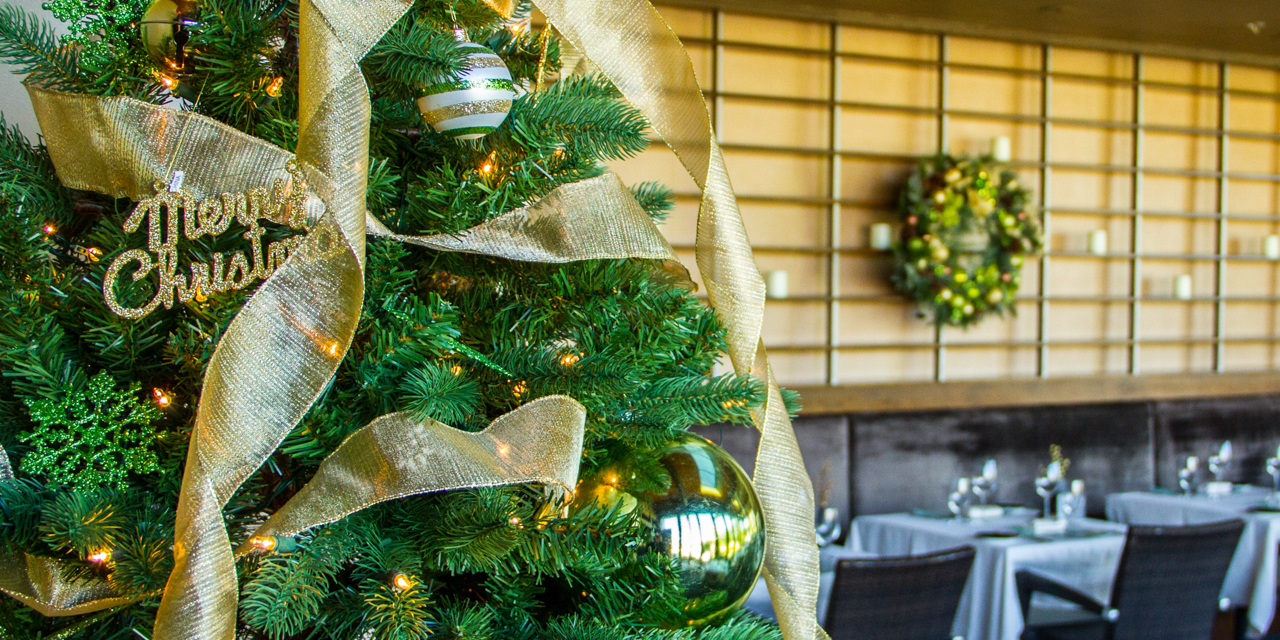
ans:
(167, 81)
(401, 582)
(273, 89)
(163, 399)
(519, 389)
(456, 370)
(100, 557)
(50, 229)
(570, 359)
(515, 520)
(487, 167)
(264, 543)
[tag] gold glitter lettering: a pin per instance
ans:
(168, 214)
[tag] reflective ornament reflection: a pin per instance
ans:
(705, 514)
(166, 33)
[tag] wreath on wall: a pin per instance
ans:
(965, 236)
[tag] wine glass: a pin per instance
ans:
(1187, 476)
(1273, 468)
(960, 499)
(828, 528)
(1045, 486)
(985, 485)
(1220, 463)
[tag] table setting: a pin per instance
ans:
(1059, 542)
(1251, 578)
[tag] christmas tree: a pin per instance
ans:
(117, 296)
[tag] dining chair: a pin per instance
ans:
(1166, 587)
(903, 598)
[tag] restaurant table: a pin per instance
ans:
(1085, 558)
(1251, 579)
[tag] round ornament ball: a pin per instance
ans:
(475, 104)
(166, 32)
(705, 515)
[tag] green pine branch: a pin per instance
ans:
(29, 43)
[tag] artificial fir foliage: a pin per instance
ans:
(452, 337)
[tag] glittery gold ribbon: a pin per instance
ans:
(396, 456)
(122, 147)
(594, 219)
(38, 582)
(287, 341)
(628, 41)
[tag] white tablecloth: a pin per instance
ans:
(1251, 579)
(989, 608)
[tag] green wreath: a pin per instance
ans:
(965, 235)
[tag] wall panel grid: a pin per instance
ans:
(1176, 160)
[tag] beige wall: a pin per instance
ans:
(821, 122)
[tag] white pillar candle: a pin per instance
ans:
(1182, 287)
(1098, 242)
(1271, 247)
(881, 236)
(1002, 149)
(1193, 463)
(775, 284)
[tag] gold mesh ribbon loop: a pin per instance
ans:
(628, 41)
(396, 456)
(287, 341)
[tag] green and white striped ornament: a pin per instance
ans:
(474, 105)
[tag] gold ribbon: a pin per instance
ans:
(38, 582)
(286, 342)
(122, 147)
(395, 456)
(594, 219)
(628, 41)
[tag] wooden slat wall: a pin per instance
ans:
(1177, 159)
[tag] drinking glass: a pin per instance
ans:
(1219, 464)
(984, 486)
(1273, 468)
(960, 499)
(1188, 476)
(981, 488)
(1046, 487)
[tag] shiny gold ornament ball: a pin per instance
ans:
(707, 518)
(166, 33)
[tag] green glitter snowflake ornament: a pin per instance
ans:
(93, 23)
(92, 437)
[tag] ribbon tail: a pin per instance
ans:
(628, 41)
(396, 456)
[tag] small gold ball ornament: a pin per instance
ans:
(706, 516)
(166, 33)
